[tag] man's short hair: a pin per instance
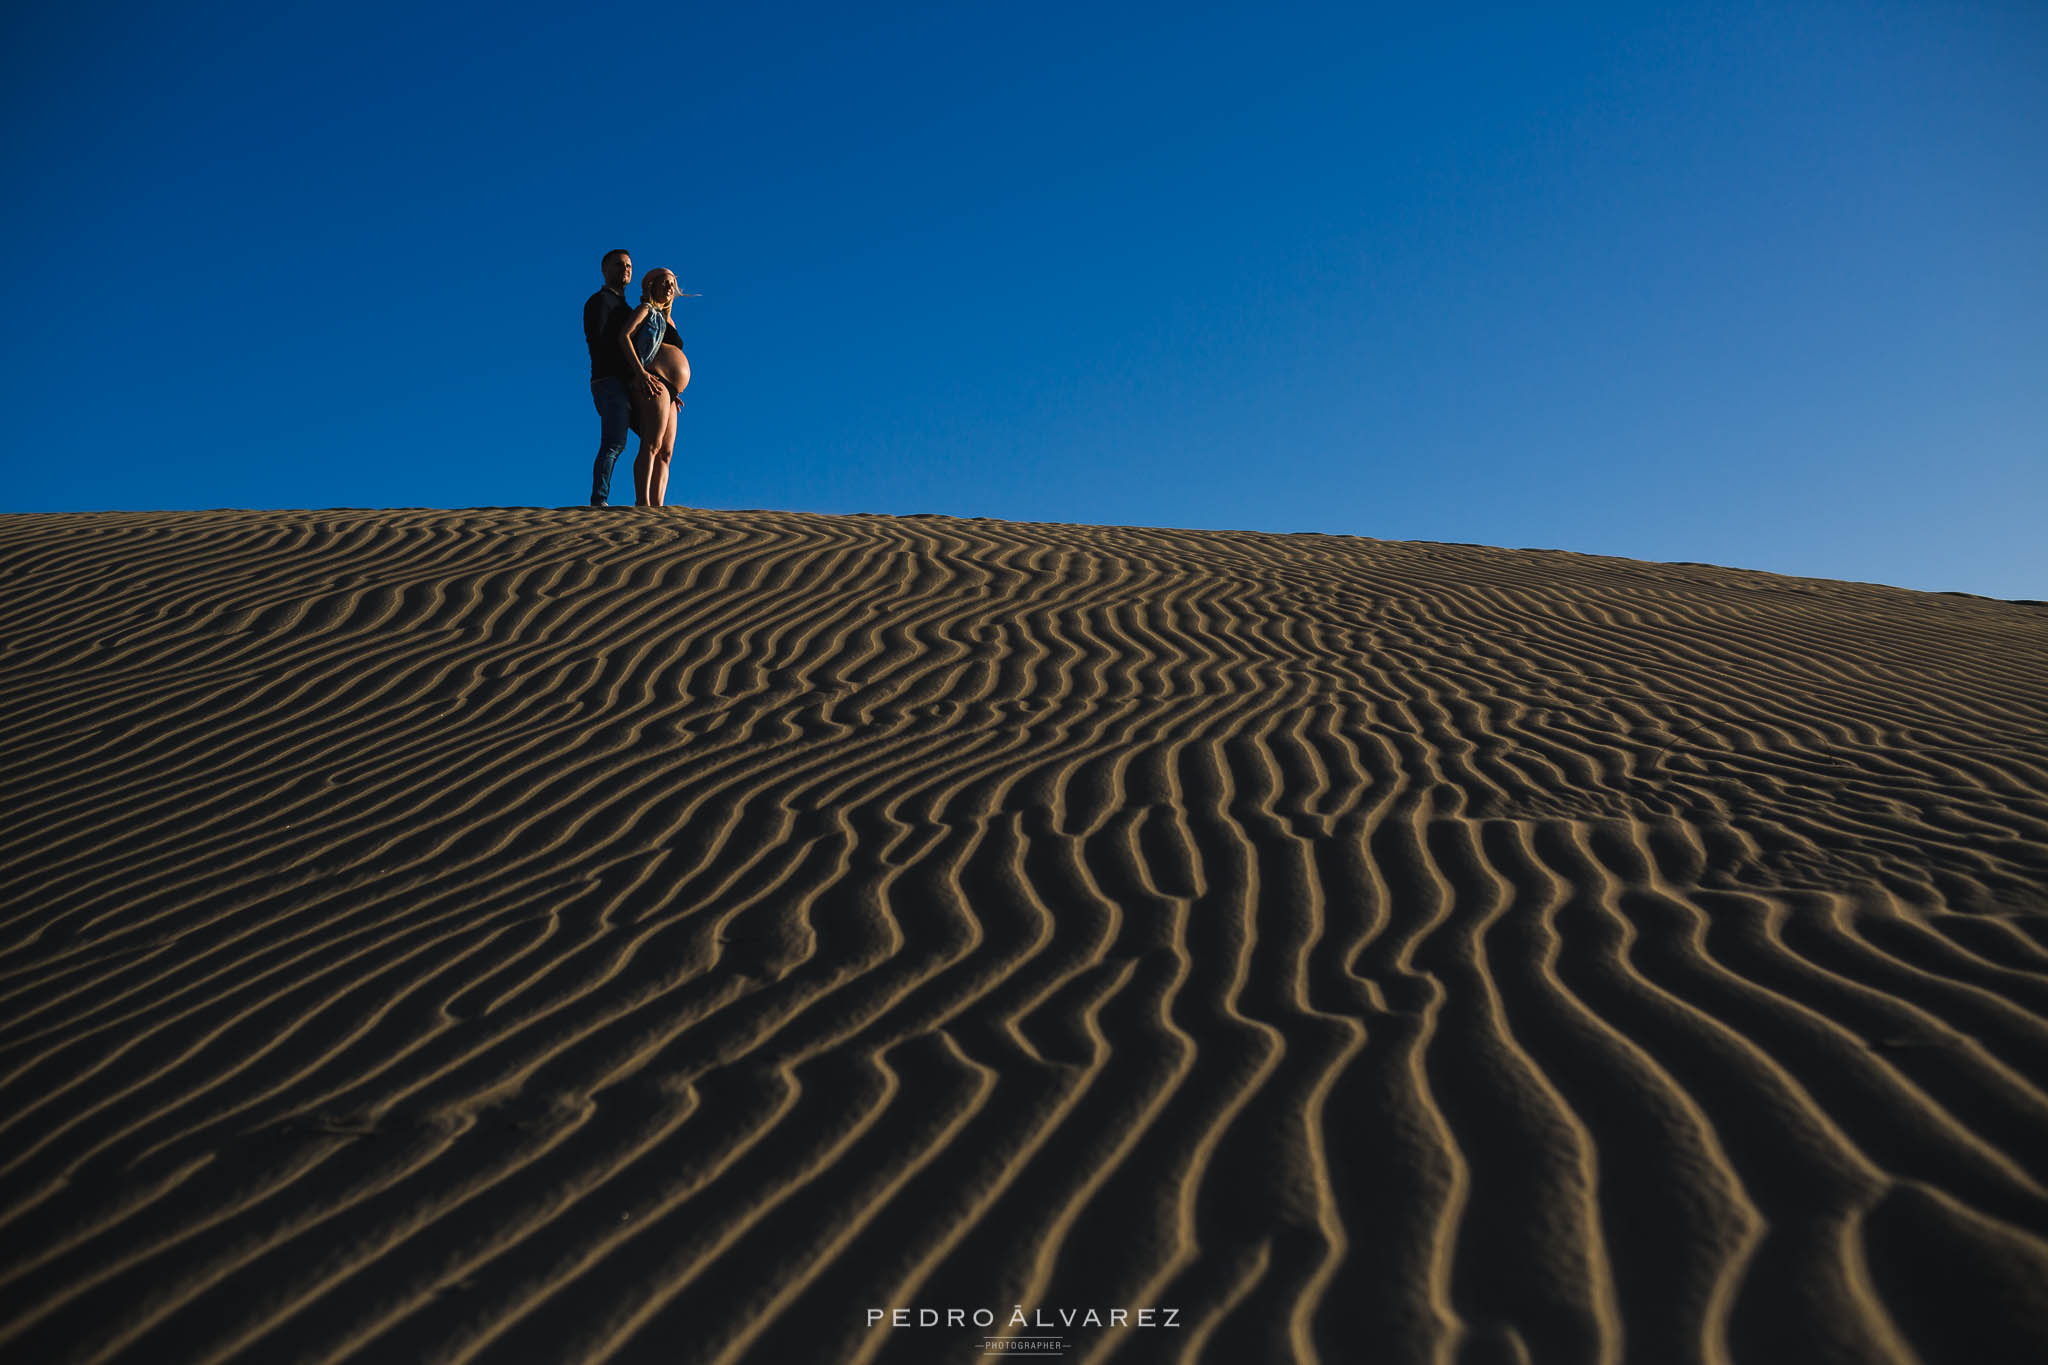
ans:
(606, 259)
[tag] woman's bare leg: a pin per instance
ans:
(673, 369)
(664, 450)
(650, 416)
(656, 426)
(643, 470)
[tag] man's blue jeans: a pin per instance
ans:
(615, 411)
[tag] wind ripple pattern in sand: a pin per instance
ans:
(554, 935)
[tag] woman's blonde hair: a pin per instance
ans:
(655, 276)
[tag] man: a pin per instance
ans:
(603, 312)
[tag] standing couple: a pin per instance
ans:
(637, 376)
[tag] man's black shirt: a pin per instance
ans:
(604, 313)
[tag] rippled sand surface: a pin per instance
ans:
(520, 935)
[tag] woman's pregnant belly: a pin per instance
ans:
(672, 368)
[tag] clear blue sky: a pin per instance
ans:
(1754, 284)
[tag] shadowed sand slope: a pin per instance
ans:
(665, 936)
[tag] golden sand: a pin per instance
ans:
(527, 935)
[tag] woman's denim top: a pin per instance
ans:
(647, 336)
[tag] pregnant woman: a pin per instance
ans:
(665, 373)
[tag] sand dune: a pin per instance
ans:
(666, 936)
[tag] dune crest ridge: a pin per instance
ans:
(513, 934)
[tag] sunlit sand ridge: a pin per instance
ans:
(571, 936)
